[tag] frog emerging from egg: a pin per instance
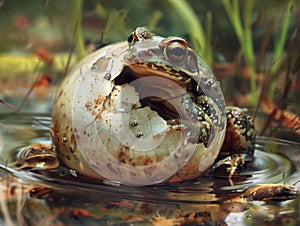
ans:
(145, 111)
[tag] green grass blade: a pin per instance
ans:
(76, 10)
(192, 23)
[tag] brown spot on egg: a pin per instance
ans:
(60, 94)
(71, 150)
(148, 162)
(72, 138)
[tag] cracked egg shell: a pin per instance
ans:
(103, 130)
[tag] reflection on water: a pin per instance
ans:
(62, 198)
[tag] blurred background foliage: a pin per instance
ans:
(252, 46)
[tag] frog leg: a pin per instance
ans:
(196, 119)
(234, 161)
(182, 113)
(239, 144)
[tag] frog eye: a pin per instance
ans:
(174, 49)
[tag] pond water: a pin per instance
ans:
(62, 197)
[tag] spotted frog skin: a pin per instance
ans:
(167, 92)
(239, 143)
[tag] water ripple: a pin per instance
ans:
(274, 161)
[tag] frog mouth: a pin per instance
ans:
(141, 69)
(162, 84)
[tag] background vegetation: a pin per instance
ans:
(252, 46)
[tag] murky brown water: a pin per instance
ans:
(64, 198)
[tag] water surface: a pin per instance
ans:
(65, 198)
